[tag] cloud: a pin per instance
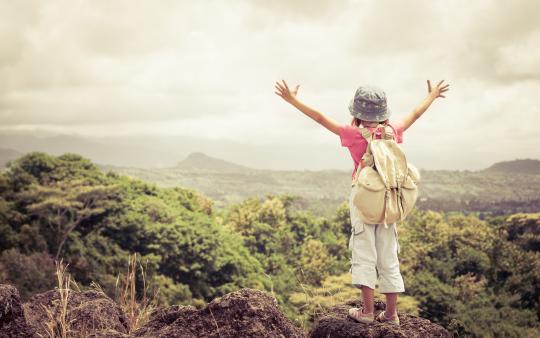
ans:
(319, 10)
(493, 36)
(17, 18)
(86, 62)
(519, 60)
(207, 69)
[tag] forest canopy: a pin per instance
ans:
(473, 276)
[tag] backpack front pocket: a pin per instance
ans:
(369, 196)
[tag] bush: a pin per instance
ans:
(31, 274)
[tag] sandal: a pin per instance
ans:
(358, 315)
(382, 318)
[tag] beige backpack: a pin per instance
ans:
(385, 186)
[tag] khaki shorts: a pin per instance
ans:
(374, 258)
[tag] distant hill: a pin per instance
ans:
(201, 161)
(7, 154)
(527, 166)
(160, 150)
(322, 191)
(491, 190)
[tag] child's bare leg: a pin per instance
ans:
(391, 304)
(367, 297)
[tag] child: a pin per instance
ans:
(374, 247)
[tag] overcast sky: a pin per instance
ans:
(205, 71)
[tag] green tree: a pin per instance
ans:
(65, 205)
(315, 261)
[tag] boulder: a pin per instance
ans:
(89, 312)
(12, 319)
(243, 313)
(336, 323)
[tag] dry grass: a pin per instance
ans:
(58, 325)
(314, 310)
(137, 309)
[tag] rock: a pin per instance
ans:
(12, 319)
(89, 312)
(243, 313)
(335, 323)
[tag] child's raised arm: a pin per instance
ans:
(290, 96)
(420, 109)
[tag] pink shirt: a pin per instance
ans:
(351, 138)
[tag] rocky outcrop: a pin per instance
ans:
(335, 323)
(88, 311)
(12, 320)
(243, 313)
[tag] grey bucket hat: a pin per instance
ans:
(369, 104)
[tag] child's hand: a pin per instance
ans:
(433, 93)
(436, 92)
(285, 92)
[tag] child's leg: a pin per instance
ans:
(391, 304)
(364, 261)
(367, 298)
(390, 279)
(364, 256)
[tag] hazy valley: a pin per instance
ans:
(504, 187)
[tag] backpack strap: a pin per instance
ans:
(386, 133)
(366, 133)
(368, 136)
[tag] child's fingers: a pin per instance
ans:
(429, 86)
(442, 96)
(279, 86)
(285, 83)
(438, 84)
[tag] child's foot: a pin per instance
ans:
(393, 320)
(359, 315)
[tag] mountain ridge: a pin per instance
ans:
(527, 165)
(487, 191)
(162, 151)
(199, 160)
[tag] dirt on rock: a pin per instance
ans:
(88, 311)
(12, 320)
(243, 313)
(336, 323)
